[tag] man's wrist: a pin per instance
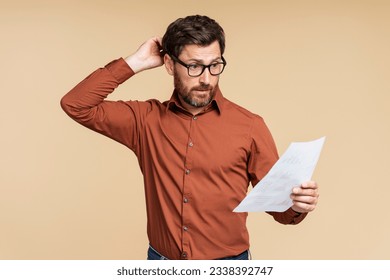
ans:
(133, 63)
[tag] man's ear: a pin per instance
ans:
(168, 62)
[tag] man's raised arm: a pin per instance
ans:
(86, 103)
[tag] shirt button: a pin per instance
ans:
(185, 228)
(185, 200)
(188, 171)
(195, 118)
(191, 144)
(184, 255)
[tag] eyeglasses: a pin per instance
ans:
(195, 69)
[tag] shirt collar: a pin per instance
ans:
(217, 102)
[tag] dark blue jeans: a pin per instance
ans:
(154, 255)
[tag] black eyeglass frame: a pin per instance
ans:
(203, 66)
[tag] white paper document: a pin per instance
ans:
(293, 168)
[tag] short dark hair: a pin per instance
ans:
(192, 30)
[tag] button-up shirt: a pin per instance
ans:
(196, 169)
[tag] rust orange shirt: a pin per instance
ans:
(196, 169)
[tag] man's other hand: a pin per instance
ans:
(305, 197)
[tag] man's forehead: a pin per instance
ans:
(201, 53)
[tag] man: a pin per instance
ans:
(198, 151)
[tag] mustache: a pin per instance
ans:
(202, 87)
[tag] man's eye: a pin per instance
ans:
(193, 66)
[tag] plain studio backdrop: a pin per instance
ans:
(309, 68)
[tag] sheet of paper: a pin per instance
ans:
(293, 168)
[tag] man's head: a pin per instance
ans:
(192, 30)
(192, 43)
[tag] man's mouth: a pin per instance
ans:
(202, 89)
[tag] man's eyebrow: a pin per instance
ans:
(200, 61)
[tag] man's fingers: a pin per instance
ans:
(307, 188)
(309, 185)
(308, 192)
(305, 199)
(303, 207)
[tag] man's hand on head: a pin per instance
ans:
(149, 55)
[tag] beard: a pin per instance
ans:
(197, 96)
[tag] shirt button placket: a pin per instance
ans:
(187, 191)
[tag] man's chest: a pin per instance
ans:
(209, 141)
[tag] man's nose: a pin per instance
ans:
(205, 77)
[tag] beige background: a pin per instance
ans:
(310, 68)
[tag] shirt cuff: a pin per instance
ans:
(120, 70)
(295, 216)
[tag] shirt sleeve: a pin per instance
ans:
(86, 104)
(263, 156)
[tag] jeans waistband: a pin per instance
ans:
(153, 254)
